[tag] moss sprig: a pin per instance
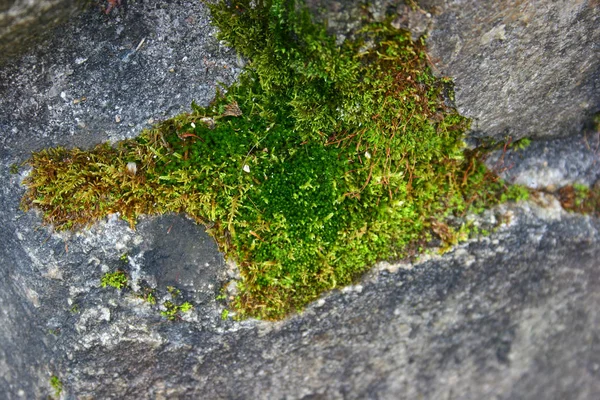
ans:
(117, 279)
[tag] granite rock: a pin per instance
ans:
(521, 68)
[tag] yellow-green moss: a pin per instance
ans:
(117, 279)
(173, 311)
(320, 161)
(57, 385)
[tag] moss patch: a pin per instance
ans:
(581, 199)
(322, 160)
(173, 311)
(117, 279)
(57, 385)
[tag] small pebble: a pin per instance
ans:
(132, 168)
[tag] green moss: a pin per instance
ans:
(320, 161)
(515, 193)
(185, 306)
(150, 298)
(172, 308)
(148, 295)
(224, 314)
(117, 279)
(173, 311)
(173, 291)
(57, 385)
(521, 144)
(596, 122)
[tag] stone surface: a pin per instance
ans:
(25, 22)
(521, 68)
(551, 163)
(108, 77)
(510, 315)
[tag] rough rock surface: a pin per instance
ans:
(507, 57)
(25, 22)
(510, 315)
(108, 77)
(549, 164)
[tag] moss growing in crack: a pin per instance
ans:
(225, 314)
(521, 144)
(147, 294)
(150, 298)
(320, 161)
(173, 291)
(173, 311)
(174, 307)
(515, 193)
(117, 279)
(57, 385)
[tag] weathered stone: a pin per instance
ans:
(551, 163)
(521, 68)
(135, 67)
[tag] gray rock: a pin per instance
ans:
(24, 23)
(521, 69)
(510, 315)
(550, 164)
(148, 62)
(107, 78)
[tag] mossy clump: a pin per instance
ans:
(320, 161)
(148, 295)
(173, 311)
(515, 193)
(581, 198)
(117, 279)
(57, 385)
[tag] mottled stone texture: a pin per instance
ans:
(26, 22)
(521, 68)
(513, 315)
